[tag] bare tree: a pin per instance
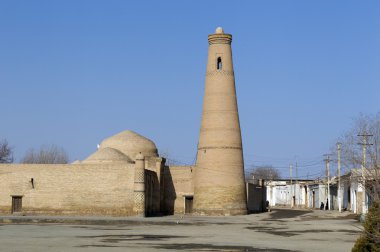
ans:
(351, 147)
(6, 152)
(46, 155)
(266, 172)
(351, 150)
(365, 131)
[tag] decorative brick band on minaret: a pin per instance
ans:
(219, 175)
(139, 186)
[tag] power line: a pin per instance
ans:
(287, 167)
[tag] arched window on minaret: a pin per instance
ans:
(219, 63)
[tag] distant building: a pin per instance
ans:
(314, 193)
(290, 193)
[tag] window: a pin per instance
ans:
(219, 63)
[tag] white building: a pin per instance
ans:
(352, 192)
(284, 192)
(312, 193)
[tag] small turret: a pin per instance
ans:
(139, 186)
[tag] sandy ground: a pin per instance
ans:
(280, 230)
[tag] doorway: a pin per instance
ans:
(188, 204)
(16, 204)
(349, 198)
(306, 198)
(294, 201)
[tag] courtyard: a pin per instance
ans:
(279, 230)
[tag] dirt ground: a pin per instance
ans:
(280, 230)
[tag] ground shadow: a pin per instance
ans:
(277, 214)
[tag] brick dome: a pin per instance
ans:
(107, 155)
(130, 144)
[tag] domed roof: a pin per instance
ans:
(130, 143)
(107, 155)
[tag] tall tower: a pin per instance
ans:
(219, 187)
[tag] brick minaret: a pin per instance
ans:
(219, 187)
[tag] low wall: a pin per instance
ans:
(79, 189)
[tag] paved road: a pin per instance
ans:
(281, 230)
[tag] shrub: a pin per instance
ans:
(370, 239)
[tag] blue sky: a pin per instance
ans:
(75, 72)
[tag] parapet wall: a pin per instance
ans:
(79, 189)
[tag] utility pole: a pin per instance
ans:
(291, 186)
(296, 186)
(327, 159)
(339, 192)
(364, 145)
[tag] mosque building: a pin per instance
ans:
(126, 176)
